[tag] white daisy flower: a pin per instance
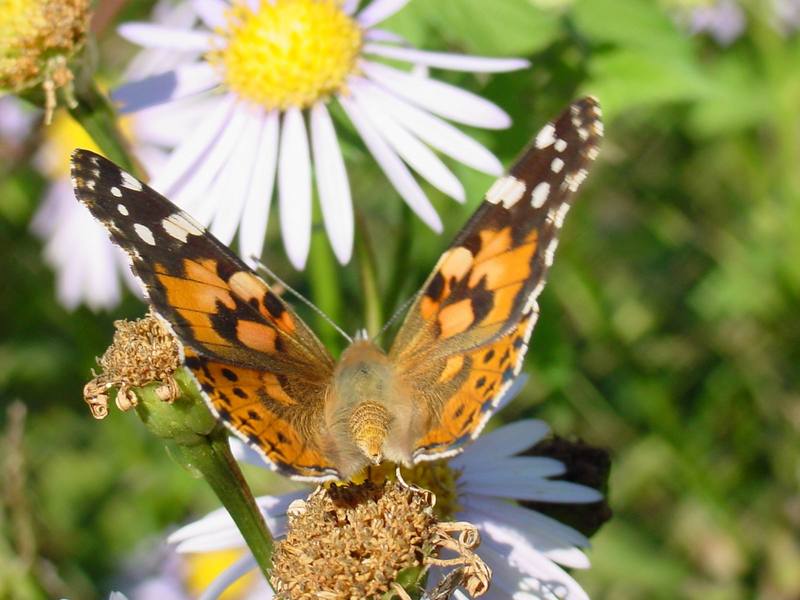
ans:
(88, 266)
(264, 72)
(525, 549)
(724, 20)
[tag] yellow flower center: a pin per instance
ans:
(287, 52)
(435, 476)
(203, 568)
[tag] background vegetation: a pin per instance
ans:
(669, 330)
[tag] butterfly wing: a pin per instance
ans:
(262, 370)
(464, 338)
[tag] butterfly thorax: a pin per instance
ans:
(370, 416)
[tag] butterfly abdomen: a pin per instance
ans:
(369, 416)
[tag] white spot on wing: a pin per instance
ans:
(560, 145)
(121, 209)
(507, 190)
(130, 182)
(540, 194)
(144, 234)
(115, 191)
(574, 180)
(556, 165)
(550, 251)
(560, 215)
(180, 226)
(546, 136)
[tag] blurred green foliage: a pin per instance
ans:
(669, 332)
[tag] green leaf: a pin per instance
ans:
(626, 78)
(502, 28)
(628, 24)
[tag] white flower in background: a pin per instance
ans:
(724, 20)
(523, 547)
(258, 68)
(16, 121)
(88, 266)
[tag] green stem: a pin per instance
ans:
(96, 115)
(398, 282)
(204, 449)
(215, 462)
(367, 270)
(326, 288)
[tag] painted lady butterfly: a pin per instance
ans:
(267, 376)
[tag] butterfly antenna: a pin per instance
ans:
(262, 267)
(401, 309)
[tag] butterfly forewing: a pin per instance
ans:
(263, 370)
(464, 338)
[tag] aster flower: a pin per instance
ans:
(88, 266)
(523, 547)
(259, 68)
(724, 20)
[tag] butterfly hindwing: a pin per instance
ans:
(263, 370)
(464, 338)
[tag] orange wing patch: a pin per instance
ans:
(487, 374)
(464, 339)
(263, 371)
(258, 409)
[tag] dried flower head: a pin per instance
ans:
(37, 38)
(141, 351)
(353, 541)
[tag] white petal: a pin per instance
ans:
(512, 391)
(182, 82)
(447, 60)
(392, 166)
(152, 61)
(332, 183)
(435, 132)
(244, 453)
(228, 577)
(294, 188)
(349, 6)
(418, 156)
(495, 522)
(216, 525)
(379, 10)
(213, 541)
(256, 210)
(520, 468)
(381, 35)
(199, 197)
(503, 441)
(530, 522)
(441, 98)
(537, 577)
(169, 125)
(150, 35)
(194, 148)
(212, 12)
(542, 490)
(233, 183)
